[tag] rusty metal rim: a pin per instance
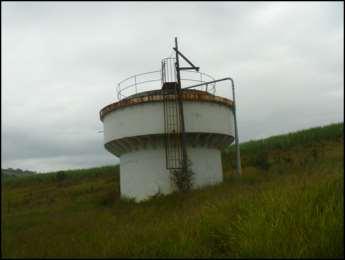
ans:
(187, 95)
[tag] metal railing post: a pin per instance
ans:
(238, 158)
(135, 82)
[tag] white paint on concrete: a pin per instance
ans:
(147, 118)
(207, 166)
(208, 117)
(143, 173)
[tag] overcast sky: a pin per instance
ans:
(61, 62)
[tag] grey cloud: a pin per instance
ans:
(62, 60)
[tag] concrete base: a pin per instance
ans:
(143, 173)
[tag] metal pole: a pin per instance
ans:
(238, 157)
(135, 82)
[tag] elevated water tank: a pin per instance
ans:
(136, 129)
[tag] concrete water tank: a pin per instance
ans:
(134, 131)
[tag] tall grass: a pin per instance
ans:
(293, 208)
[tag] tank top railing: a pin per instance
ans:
(137, 83)
(148, 81)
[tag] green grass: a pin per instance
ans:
(263, 153)
(290, 205)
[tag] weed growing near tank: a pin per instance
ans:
(183, 180)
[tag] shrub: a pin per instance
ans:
(61, 176)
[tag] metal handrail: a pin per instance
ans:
(134, 81)
(139, 74)
(121, 87)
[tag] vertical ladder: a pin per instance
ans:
(172, 126)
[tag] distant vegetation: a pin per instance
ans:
(61, 176)
(288, 203)
(15, 172)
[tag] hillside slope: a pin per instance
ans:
(287, 203)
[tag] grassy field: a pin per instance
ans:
(288, 203)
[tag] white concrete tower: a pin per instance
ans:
(138, 131)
